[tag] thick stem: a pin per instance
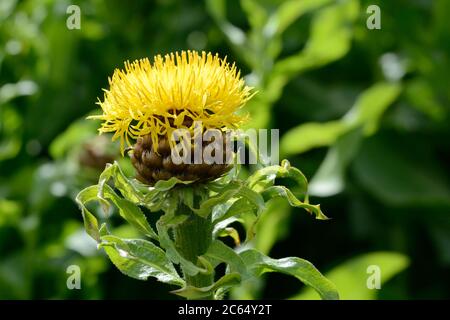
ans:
(192, 239)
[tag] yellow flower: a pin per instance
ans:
(154, 99)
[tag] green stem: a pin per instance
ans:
(192, 239)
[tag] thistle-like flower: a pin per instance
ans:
(147, 101)
(144, 107)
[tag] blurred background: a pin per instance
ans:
(363, 113)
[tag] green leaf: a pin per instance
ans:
(281, 191)
(222, 212)
(154, 197)
(311, 135)
(90, 222)
(10, 212)
(255, 199)
(256, 13)
(217, 9)
(330, 39)
(265, 177)
(225, 282)
(129, 211)
(222, 225)
(140, 259)
(329, 178)
(221, 252)
(366, 113)
(371, 104)
(288, 12)
(303, 270)
(351, 276)
(166, 185)
(11, 131)
(76, 134)
(273, 225)
(344, 134)
(421, 96)
(225, 194)
(126, 186)
(187, 195)
(232, 190)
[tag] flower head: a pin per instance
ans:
(156, 98)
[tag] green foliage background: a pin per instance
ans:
(363, 113)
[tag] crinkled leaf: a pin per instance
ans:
(265, 177)
(253, 198)
(127, 210)
(90, 221)
(224, 283)
(232, 190)
(227, 193)
(303, 270)
(166, 185)
(126, 186)
(156, 198)
(220, 211)
(281, 191)
(130, 212)
(225, 211)
(140, 259)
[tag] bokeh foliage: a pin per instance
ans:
(364, 113)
